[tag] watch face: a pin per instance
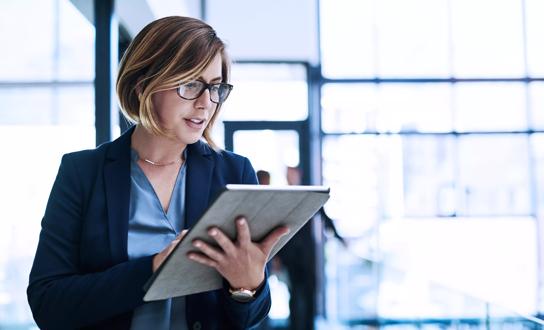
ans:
(242, 295)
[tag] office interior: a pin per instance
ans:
(424, 117)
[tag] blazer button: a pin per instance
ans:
(197, 326)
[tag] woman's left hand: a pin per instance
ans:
(240, 262)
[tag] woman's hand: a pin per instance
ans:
(240, 262)
(159, 258)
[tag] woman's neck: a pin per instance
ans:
(156, 148)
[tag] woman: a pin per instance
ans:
(116, 212)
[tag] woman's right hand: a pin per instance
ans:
(159, 258)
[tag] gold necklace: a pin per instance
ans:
(161, 164)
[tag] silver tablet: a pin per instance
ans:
(265, 208)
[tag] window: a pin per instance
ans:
(432, 122)
(47, 102)
(267, 92)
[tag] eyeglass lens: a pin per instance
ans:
(192, 90)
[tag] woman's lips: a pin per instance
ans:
(195, 123)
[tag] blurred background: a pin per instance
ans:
(424, 117)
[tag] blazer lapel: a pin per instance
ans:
(117, 186)
(198, 185)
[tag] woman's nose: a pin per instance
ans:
(204, 101)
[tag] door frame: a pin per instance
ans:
(301, 127)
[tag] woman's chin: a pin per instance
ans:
(188, 139)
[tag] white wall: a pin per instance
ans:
(266, 30)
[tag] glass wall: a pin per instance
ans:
(432, 117)
(47, 109)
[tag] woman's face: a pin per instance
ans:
(187, 119)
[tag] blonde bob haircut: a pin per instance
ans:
(167, 52)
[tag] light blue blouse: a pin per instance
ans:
(150, 230)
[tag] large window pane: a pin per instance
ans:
(537, 143)
(429, 176)
(347, 38)
(76, 44)
(349, 108)
(416, 108)
(536, 105)
(410, 43)
(75, 106)
(364, 174)
(66, 105)
(376, 46)
(350, 168)
(386, 108)
(53, 41)
(487, 38)
(494, 175)
(24, 105)
(425, 176)
(490, 107)
(535, 35)
(267, 92)
(27, 36)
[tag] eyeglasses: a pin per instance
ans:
(193, 89)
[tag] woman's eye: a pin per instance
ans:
(191, 85)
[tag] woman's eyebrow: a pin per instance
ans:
(213, 80)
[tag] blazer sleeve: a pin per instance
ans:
(246, 315)
(59, 293)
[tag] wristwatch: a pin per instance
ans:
(242, 295)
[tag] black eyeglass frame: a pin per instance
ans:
(204, 87)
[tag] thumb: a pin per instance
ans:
(271, 239)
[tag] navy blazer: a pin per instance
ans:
(81, 276)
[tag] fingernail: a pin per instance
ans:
(213, 232)
(197, 244)
(242, 221)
